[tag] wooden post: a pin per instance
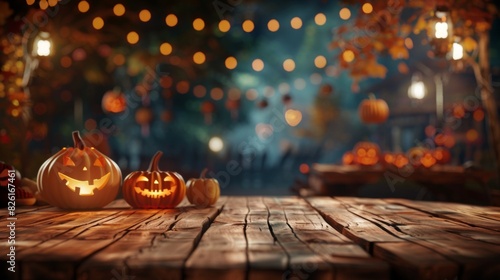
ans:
(484, 80)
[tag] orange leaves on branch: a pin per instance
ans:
(398, 50)
(420, 25)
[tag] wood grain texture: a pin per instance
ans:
(259, 238)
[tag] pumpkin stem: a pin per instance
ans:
(153, 166)
(203, 173)
(78, 141)
(371, 96)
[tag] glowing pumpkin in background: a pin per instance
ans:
(373, 111)
(114, 101)
(442, 155)
(348, 158)
(366, 153)
(427, 160)
(202, 191)
(415, 154)
(79, 177)
(400, 160)
(154, 189)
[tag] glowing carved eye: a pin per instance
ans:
(142, 179)
(371, 152)
(67, 161)
(361, 152)
(99, 162)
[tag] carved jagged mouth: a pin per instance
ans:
(154, 193)
(83, 187)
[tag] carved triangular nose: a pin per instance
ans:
(84, 168)
(156, 182)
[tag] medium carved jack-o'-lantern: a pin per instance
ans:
(400, 160)
(366, 153)
(427, 160)
(202, 191)
(79, 177)
(415, 154)
(154, 188)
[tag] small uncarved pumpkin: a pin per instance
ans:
(202, 191)
(79, 177)
(153, 188)
(373, 110)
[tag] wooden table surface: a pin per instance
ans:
(259, 238)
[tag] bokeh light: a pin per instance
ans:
(216, 93)
(289, 65)
(199, 58)
(171, 20)
(231, 62)
(98, 23)
(83, 6)
(251, 94)
(296, 23)
(224, 25)
(165, 48)
(367, 8)
(258, 65)
(182, 87)
(293, 117)
(198, 24)
(119, 10)
(248, 25)
(132, 37)
(145, 15)
(215, 144)
(348, 55)
(345, 13)
(273, 25)
(320, 19)
(320, 61)
(199, 91)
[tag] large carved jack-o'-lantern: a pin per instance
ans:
(79, 177)
(154, 188)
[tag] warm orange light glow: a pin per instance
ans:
(83, 6)
(289, 65)
(471, 135)
(182, 87)
(367, 8)
(132, 37)
(296, 23)
(199, 91)
(30, 2)
(145, 15)
(345, 13)
(165, 48)
(304, 168)
(98, 23)
(409, 43)
(119, 59)
(320, 19)
(348, 55)
(224, 25)
(43, 4)
(216, 93)
(198, 24)
(293, 117)
(119, 10)
(273, 25)
(258, 65)
(234, 94)
(478, 115)
(66, 61)
(251, 94)
(171, 20)
(248, 26)
(231, 62)
(320, 61)
(199, 58)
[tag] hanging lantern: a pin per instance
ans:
(440, 31)
(42, 45)
(114, 101)
(417, 89)
(207, 108)
(233, 105)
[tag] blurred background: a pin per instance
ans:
(256, 91)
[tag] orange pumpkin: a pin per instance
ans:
(427, 160)
(373, 110)
(388, 158)
(348, 158)
(415, 154)
(79, 177)
(153, 188)
(400, 160)
(202, 191)
(143, 116)
(366, 153)
(114, 101)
